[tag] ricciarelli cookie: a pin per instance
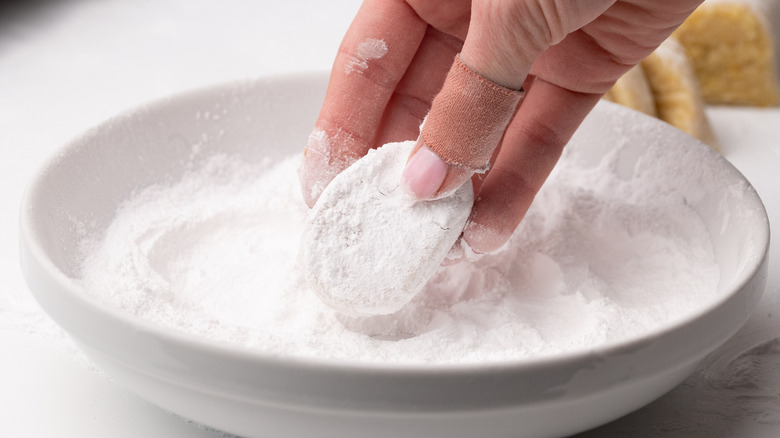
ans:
(369, 246)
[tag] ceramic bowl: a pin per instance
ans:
(253, 394)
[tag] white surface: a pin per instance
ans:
(65, 66)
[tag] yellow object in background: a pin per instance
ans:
(633, 90)
(731, 47)
(676, 92)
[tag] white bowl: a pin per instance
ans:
(250, 393)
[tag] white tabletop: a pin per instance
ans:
(67, 65)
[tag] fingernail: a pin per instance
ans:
(424, 173)
(481, 239)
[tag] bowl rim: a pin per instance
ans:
(30, 242)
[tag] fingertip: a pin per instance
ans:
(313, 176)
(484, 238)
(318, 167)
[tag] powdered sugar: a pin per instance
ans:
(370, 247)
(601, 256)
(367, 50)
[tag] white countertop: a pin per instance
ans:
(67, 65)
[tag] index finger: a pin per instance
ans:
(373, 57)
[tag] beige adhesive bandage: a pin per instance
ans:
(480, 110)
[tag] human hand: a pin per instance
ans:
(396, 55)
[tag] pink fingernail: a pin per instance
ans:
(424, 173)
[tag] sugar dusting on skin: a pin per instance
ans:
(322, 164)
(600, 257)
(368, 50)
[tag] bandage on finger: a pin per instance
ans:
(468, 118)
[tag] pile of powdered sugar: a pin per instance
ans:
(598, 258)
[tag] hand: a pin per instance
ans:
(396, 55)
